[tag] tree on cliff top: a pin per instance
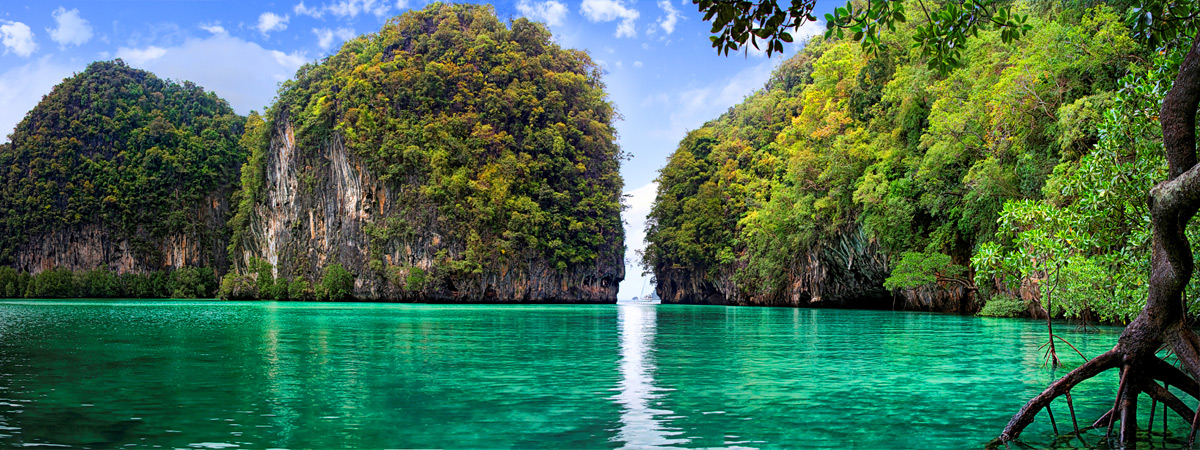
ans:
(942, 36)
(121, 148)
(489, 133)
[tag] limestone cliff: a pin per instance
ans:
(447, 158)
(846, 272)
(92, 245)
(321, 206)
(117, 168)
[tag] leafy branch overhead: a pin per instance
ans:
(942, 37)
(941, 34)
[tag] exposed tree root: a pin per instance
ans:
(1165, 372)
(1137, 377)
(1102, 421)
(1025, 416)
(1172, 204)
(1161, 394)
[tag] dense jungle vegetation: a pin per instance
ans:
(119, 148)
(188, 282)
(1024, 169)
(504, 136)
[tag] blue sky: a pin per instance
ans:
(659, 67)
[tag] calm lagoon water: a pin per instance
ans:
(183, 374)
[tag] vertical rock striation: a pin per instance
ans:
(845, 272)
(321, 204)
(447, 158)
(96, 244)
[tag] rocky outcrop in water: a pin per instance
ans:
(846, 272)
(450, 157)
(118, 169)
(322, 207)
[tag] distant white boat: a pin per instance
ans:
(644, 299)
(637, 301)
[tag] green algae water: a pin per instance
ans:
(185, 374)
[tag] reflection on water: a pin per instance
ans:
(642, 425)
(109, 374)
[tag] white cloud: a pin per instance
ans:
(141, 56)
(808, 30)
(241, 72)
(21, 89)
(637, 64)
(269, 21)
(667, 22)
(638, 202)
(301, 10)
(610, 10)
(71, 29)
(551, 12)
(691, 108)
(625, 29)
(289, 59)
(214, 28)
(17, 38)
(349, 8)
(326, 36)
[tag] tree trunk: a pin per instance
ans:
(1173, 203)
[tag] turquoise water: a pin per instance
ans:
(301, 375)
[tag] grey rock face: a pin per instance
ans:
(323, 206)
(845, 272)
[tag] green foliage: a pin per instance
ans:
(99, 283)
(412, 279)
(1088, 241)
(922, 161)
(12, 283)
(941, 36)
(255, 140)
(264, 278)
(1004, 305)
(281, 289)
(500, 135)
(121, 148)
(104, 283)
(337, 284)
(54, 283)
(300, 289)
(235, 286)
(192, 282)
(922, 269)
